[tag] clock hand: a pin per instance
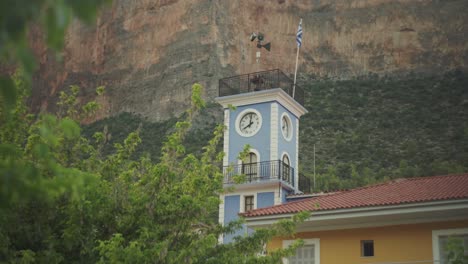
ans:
(247, 125)
(250, 123)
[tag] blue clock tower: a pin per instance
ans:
(261, 110)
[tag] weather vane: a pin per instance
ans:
(260, 38)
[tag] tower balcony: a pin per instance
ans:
(265, 171)
(259, 81)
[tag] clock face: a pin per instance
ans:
(249, 124)
(286, 127)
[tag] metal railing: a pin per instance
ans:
(259, 81)
(304, 184)
(258, 172)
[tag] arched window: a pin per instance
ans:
(286, 159)
(249, 166)
(286, 168)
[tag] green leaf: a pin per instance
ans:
(26, 58)
(56, 22)
(8, 92)
(70, 128)
(100, 90)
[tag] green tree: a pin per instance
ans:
(51, 16)
(455, 251)
(63, 201)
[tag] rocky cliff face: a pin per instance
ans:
(148, 53)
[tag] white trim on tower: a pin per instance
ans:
(286, 116)
(278, 196)
(221, 216)
(296, 167)
(257, 153)
(274, 132)
(242, 200)
(254, 151)
(285, 153)
(226, 137)
(277, 95)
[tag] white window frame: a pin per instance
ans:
(291, 126)
(308, 241)
(242, 201)
(443, 232)
(287, 155)
(292, 175)
(240, 162)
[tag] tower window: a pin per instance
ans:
(249, 167)
(286, 168)
(367, 248)
(248, 203)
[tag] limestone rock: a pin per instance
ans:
(149, 53)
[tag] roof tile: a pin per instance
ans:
(400, 191)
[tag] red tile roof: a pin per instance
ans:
(400, 191)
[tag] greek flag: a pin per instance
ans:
(299, 34)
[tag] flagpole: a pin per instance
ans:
(297, 59)
(295, 72)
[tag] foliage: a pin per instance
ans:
(64, 201)
(116, 128)
(366, 130)
(455, 251)
(153, 134)
(378, 128)
(53, 17)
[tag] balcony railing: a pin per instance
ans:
(259, 172)
(304, 184)
(259, 81)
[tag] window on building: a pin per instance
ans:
(443, 240)
(249, 166)
(367, 248)
(309, 253)
(248, 203)
(285, 168)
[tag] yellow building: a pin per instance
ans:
(402, 221)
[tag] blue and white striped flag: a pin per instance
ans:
(299, 34)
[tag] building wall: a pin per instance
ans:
(392, 244)
(289, 147)
(284, 193)
(259, 142)
(234, 204)
(285, 146)
(265, 199)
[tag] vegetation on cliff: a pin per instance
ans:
(377, 128)
(365, 130)
(153, 134)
